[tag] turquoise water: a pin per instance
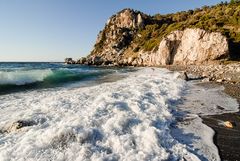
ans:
(29, 76)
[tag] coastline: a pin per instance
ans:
(226, 139)
(110, 101)
(126, 119)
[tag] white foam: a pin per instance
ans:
(207, 100)
(200, 101)
(22, 77)
(129, 119)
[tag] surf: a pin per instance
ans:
(18, 80)
(130, 119)
(23, 77)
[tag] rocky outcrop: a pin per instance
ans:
(191, 46)
(69, 61)
(117, 35)
(82, 60)
(117, 44)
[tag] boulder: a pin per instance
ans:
(20, 124)
(129, 61)
(125, 61)
(135, 63)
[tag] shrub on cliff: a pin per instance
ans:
(224, 18)
(123, 34)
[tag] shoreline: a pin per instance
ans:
(116, 119)
(210, 144)
(227, 140)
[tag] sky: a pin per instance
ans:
(51, 30)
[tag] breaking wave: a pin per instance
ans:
(23, 77)
(43, 78)
(131, 119)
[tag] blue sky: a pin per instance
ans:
(50, 30)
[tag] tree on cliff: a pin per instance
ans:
(234, 1)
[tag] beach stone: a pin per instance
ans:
(205, 74)
(130, 61)
(184, 76)
(20, 124)
(115, 64)
(135, 63)
(228, 124)
(219, 80)
(206, 80)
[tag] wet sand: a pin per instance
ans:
(227, 139)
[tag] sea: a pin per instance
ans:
(54, 111)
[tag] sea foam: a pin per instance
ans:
(130, 119)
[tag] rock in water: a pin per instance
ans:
(20, 124)
(69, 61)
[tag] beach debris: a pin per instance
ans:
(228, 124)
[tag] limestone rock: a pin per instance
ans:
(191, 46)
(127, 18)
(118, 34)
(131, 34)
(130, 60)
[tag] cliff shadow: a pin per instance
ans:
(174, 47)
(234, 50)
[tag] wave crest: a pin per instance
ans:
(23, 77)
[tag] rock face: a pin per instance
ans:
(116, 45)
(191, 46)
(117, 35)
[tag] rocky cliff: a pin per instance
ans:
(133, 38)
(118, 34)
(191, 46)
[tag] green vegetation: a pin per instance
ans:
(224, 18)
